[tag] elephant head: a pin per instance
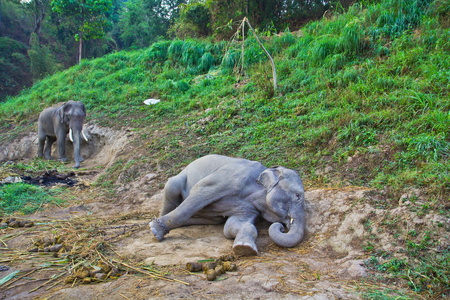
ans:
(284, 205)
(73, 113)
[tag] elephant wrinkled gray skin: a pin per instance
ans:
(216, 189)
(55, 123)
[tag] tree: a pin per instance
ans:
(38, 9)
(91, 15)
(194, 20)
(143, 21)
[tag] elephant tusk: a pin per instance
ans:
(85, 138)
(291, 221)
(70, 135)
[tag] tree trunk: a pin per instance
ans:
(80, 44)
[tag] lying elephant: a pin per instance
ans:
(55, 123)
(216, 189)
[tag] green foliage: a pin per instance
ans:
(42, 63)
(24, 198)
(141, 23)
(14, 67)
(393, 17)
(194, 20)
(426, 273)
(89, 14)
(428, 147)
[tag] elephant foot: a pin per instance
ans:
(48, 157)
(76, 166)
(63, 159)
(158, 229)
(245, 249)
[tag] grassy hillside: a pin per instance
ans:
(362, 98)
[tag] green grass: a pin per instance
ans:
(428, 274)
(371, 83)
(371, 80)
(25, 198)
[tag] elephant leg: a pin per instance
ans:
(48, 147)
(204, 221)
(41, 146)
(173, 194)
(62, 148)
(205, 192)
(244, 233)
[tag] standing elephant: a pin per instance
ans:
(216, 189)
(55, 123)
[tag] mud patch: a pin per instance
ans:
(52, 178)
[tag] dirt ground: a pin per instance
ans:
(327, 264)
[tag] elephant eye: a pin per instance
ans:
(297, 195)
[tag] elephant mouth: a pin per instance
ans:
(287, 225)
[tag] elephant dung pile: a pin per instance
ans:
(14, 223)
(213, 268)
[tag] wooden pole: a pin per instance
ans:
(274, 72)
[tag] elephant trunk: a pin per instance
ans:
(76, 136)
(296, 231)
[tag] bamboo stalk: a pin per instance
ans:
(53, 285)
(50, 280)
(274, 72)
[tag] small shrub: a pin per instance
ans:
(206, 62)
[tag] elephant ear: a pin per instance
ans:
(269, 178)
(60, 112)
(82, 107)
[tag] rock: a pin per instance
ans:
(11, 179)
(328, 169)
(149, 177)
(356, 270)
